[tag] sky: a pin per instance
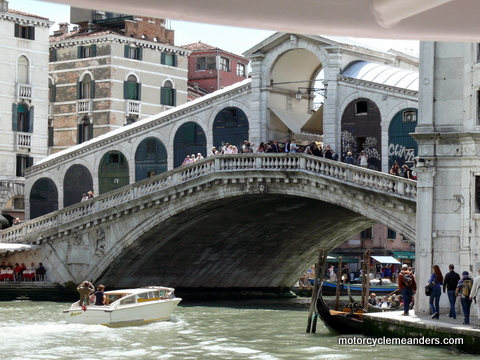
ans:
(187, 33)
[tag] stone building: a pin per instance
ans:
(23, 105)
(110, 71)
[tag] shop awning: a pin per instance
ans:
(314, 125)
(404, 254)
(293, 120)
(334, 258)
(386, 259)
(5, 247)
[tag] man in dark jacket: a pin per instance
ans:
(407, 287)
(450, 283)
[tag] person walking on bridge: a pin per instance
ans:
(450, 284)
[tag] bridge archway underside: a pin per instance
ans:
(251, 227)
(262, 232)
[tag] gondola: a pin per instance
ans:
(348, 321)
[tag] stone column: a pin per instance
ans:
(425, 235)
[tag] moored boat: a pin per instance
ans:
(127, 307)
(347, 321)
(330, 288)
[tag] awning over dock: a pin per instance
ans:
(7, 247)
(386, 259)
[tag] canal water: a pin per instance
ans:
(248, 329)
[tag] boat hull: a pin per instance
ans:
(136, 314)
(339, 323)
(330, 288)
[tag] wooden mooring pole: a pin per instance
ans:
(365, 279)
(339, 282)
(317, 287)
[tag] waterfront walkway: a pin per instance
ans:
(418, 326)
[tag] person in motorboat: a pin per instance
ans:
(85, 289)
(98, 297)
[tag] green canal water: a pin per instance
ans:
(253, 329)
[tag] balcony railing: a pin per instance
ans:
(23, 140)
(24, 91)
(133, 107)
(84, 106)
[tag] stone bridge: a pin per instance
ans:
(244, 221)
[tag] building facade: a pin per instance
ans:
(24, 105)
(211, 68)
(111, 71)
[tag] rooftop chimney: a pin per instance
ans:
(62, 29)
(3, 5)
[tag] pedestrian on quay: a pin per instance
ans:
(464, 289)
(435, 282)
(450, 284)
(475, 294)
(407, 287)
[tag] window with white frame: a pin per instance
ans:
(224, 64)
(205, 63)
(241, 70)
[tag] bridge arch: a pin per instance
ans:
(402, 147)
(77, 181)
(43, 197)
(189, 139)
(291, 212)
(230, 126)
(151, 158)
(113, 171)
(361, 130)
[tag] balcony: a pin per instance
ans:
(23, 140)
(133, 107)
(24, 91)
(84, 106)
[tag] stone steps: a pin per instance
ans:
(35, 291)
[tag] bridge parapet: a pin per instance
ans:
(334, 170)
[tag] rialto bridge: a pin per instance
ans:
(249, 221)
(244, 221)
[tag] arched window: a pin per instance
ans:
(86, 88)
(168, 94)
(132, 88)
(23, 70)
(85, 130)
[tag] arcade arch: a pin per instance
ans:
(230, 126)
(76, 182)
(113, 172)
(151, 158)
(43, 197)
(189, 139)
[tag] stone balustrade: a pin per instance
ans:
(299, 162)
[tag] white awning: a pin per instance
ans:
(386, 259)
(293, 120)
(5, 247)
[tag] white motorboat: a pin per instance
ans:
(126, 307)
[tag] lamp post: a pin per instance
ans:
(299, 94)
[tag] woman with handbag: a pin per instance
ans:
(435, 282)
